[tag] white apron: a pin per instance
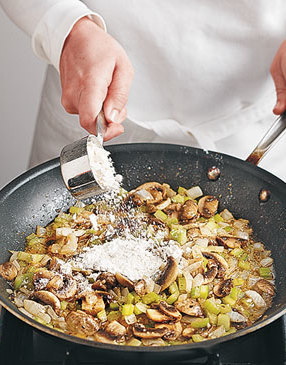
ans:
(201, 76)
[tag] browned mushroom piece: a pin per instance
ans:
(48, 298)
(189, 210)
(173, 210)
(41, 278)
(170, 311)
(55, 283)
(193, 232)
(164, 204)
(103, 337)
(115, 329)
(211, 273)
(230, 242)
(68, 290)
(264, 286)
(169, 274)
(80, 323)
(8, 271)
(222, 264)
(149, 193)
(207, 206)
(139, 330)
(174, 330)
(124, 281)
(189, 306)
(92, 303)
(188, 332)
(157, 316)
(140, 287)
(105, 281)
(223, 288)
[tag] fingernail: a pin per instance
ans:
(114, 116)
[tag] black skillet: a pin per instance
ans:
(37, 196)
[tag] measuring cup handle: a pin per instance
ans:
(101, 126)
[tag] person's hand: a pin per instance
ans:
(278, 72)
(95, 71)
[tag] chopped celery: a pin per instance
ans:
(182, 191)
(228, 229)
(40, 320)
(133, 342)
(150, 298)
(113, 305)
(169, 221)
(173, 288)
(247, 302)
(179, 235)
(204, 291)
(186, 198)
(200, 322)
(230, 331)
(238, 281)
(159, 214)
(178, 199)
(244, 265)
(64, 305)
(24, 256)
(113, 316)
(18, 282)
(36, 258)
(244, 256)
(24, 279)
(212, 226)
(31, 236)
(89, 207)
(218, 218)
(234, 293)
(198, 338)
(130, 299)
(212, 317)
(182, 284)
(137, 311)
(211, 306)
(102, 315)
(236, 252)
(223, 320)
(76, 210)
(127, 309)
(265, 272)
(225, 308)
(195, 292)
(228, 300)
(172, 298)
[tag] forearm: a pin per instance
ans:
(48, 23)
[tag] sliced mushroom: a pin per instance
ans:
(55, 283)
(223, 288)
(41, 278)
(115, 329)
(48, 298)
(207, 206)
(222, 264)
(169, 274)
(156, 190)
(257, 299)
(188, 332)
(140, 288)
(124, 281)
(211, 272)
(139, 330)
(170, 311)
(105, 281)
(80, 323)
(189, 210)
(174, 330)
(157, 316)
(70, 247)
(8, 271)
(103, 337)
(92, 303)
(264, 286)
(189, 306)
(164, 204)
(173, 210)
(36, 309)
(68, 290)
(230, 242)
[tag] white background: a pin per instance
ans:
(21, 79)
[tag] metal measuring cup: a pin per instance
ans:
(75, 164)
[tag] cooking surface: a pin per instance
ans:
(21, 344)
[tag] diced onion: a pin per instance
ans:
(157, 288)
(198, 280)
(218, 332)
(258, 246)
(236, 317)
(189, 281)
(142, 307)
(268, 261)
(130, 319)
(241, 234)
(226, 215)
(144, 194)
(195, 192)
(202, 242)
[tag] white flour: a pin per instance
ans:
(133, 257)
(102, 165)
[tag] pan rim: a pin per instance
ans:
(205, 345)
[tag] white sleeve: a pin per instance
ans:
(48, 23)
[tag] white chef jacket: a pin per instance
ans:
(201, 70)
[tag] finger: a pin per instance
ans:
(90, 103)
(118, 91)
(280, 86)
(113, 130)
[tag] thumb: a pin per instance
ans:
(118, 91)
(280, 85)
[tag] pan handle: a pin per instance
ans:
(272, 136)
